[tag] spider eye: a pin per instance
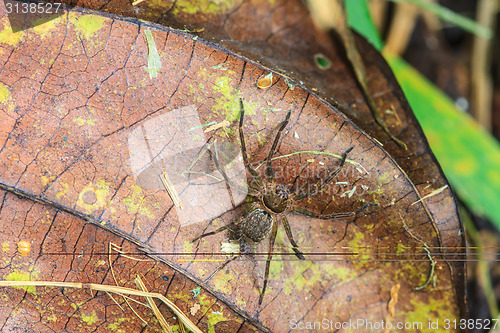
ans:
(282, 192)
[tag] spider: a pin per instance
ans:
(270, 201)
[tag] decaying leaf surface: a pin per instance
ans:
(281, 35)
(53, 235)
(69, 136)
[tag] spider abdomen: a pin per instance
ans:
(256, 225)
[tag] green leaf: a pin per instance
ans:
(359, 18)
(470, 156)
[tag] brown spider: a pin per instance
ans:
(269, 203)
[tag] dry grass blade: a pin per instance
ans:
(433, 193)
(107, 288)
(171, 190)
(114, 247)
(224, 123)
(166, 327)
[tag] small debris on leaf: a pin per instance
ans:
(196, 292)
(265, 81)
(322, 61)
(194, 309)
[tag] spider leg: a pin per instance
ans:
(227, 226)
(289, 234)
(216, 231)
(221, 267)
(306, 212)
(274, 232)
(255, 175)
(329, 178)
(252, 191)
(269, 168)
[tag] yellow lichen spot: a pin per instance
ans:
(114, 326)
(214, 318)
(46, 180)
(207, 7)
(52, 318)
(6, 34)
(430, 309)
(157, 6)
(203, 272)
(63, 191)
(308, 275)
(221, 284)
(18, 275)
(90, 319)
(204, 302)
(181, 296)
(135, 202)
(228, 100)
(45, 26)
(87, 25)
(81, 121)
(5, 246)
(93, 197)
(4, 93)
(188, 247)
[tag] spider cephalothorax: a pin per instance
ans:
(270, 201)
(276, 199)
